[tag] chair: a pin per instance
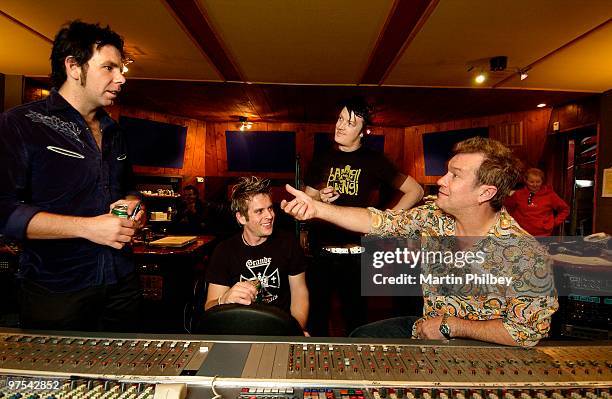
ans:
(254, 319)
(194, 309)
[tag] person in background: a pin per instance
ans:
(191, 217)
(536, 207)
(195, 216)
(63, 166)
(349, 174)
(258, 262)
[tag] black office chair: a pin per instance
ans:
(254, 319)
(194, 309)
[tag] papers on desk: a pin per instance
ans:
(173, 241)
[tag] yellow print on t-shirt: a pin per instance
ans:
(344, 180)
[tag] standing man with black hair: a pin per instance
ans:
(63, 166)
(350, 174)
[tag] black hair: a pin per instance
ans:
(359, 107)
(77, 39)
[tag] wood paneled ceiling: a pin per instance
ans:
(292, 60)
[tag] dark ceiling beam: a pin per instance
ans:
(405, 21)
(552, 53)
(26, 27)
(193, 19)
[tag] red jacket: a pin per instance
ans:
(546, 211)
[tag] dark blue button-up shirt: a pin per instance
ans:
(49, 161)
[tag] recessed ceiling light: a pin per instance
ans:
(481, 77)
(541, 105)
(524, 75)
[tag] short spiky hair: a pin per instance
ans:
(500, 167)
(77, 39)
(360, 107)
(245, 190)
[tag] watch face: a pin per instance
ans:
(445, 330)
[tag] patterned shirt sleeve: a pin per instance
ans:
(528, 319)
(533, 300)
(389, 223)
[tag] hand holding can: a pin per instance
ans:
(120, 210)
(257, 284)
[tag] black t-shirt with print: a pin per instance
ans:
(357, 176)
(271, 262)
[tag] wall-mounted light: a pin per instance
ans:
(523, 74)
(126, 62)
(541, 105)
(244, 123)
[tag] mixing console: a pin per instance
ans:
(37, 366)
(101, 356)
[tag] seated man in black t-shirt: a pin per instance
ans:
(258, 265)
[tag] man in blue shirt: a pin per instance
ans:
(63, 166)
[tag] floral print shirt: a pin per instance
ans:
(525, 307)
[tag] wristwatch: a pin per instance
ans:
(444, 327)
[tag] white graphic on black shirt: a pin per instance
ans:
(269, 280)
(68, 129)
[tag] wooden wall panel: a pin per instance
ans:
(531, 152)
(216, 158)
(205, 150)
(394, 145)
(576, 114)
(195, 144)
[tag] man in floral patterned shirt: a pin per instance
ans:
(480, 175)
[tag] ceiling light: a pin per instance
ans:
(541, 105)
(127, 61)
(244, 123)
(483, 67)
(523, 73)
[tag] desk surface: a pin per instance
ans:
(581, 260)
(141, 249)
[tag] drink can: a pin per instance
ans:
(120, 211)
(257, 284)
